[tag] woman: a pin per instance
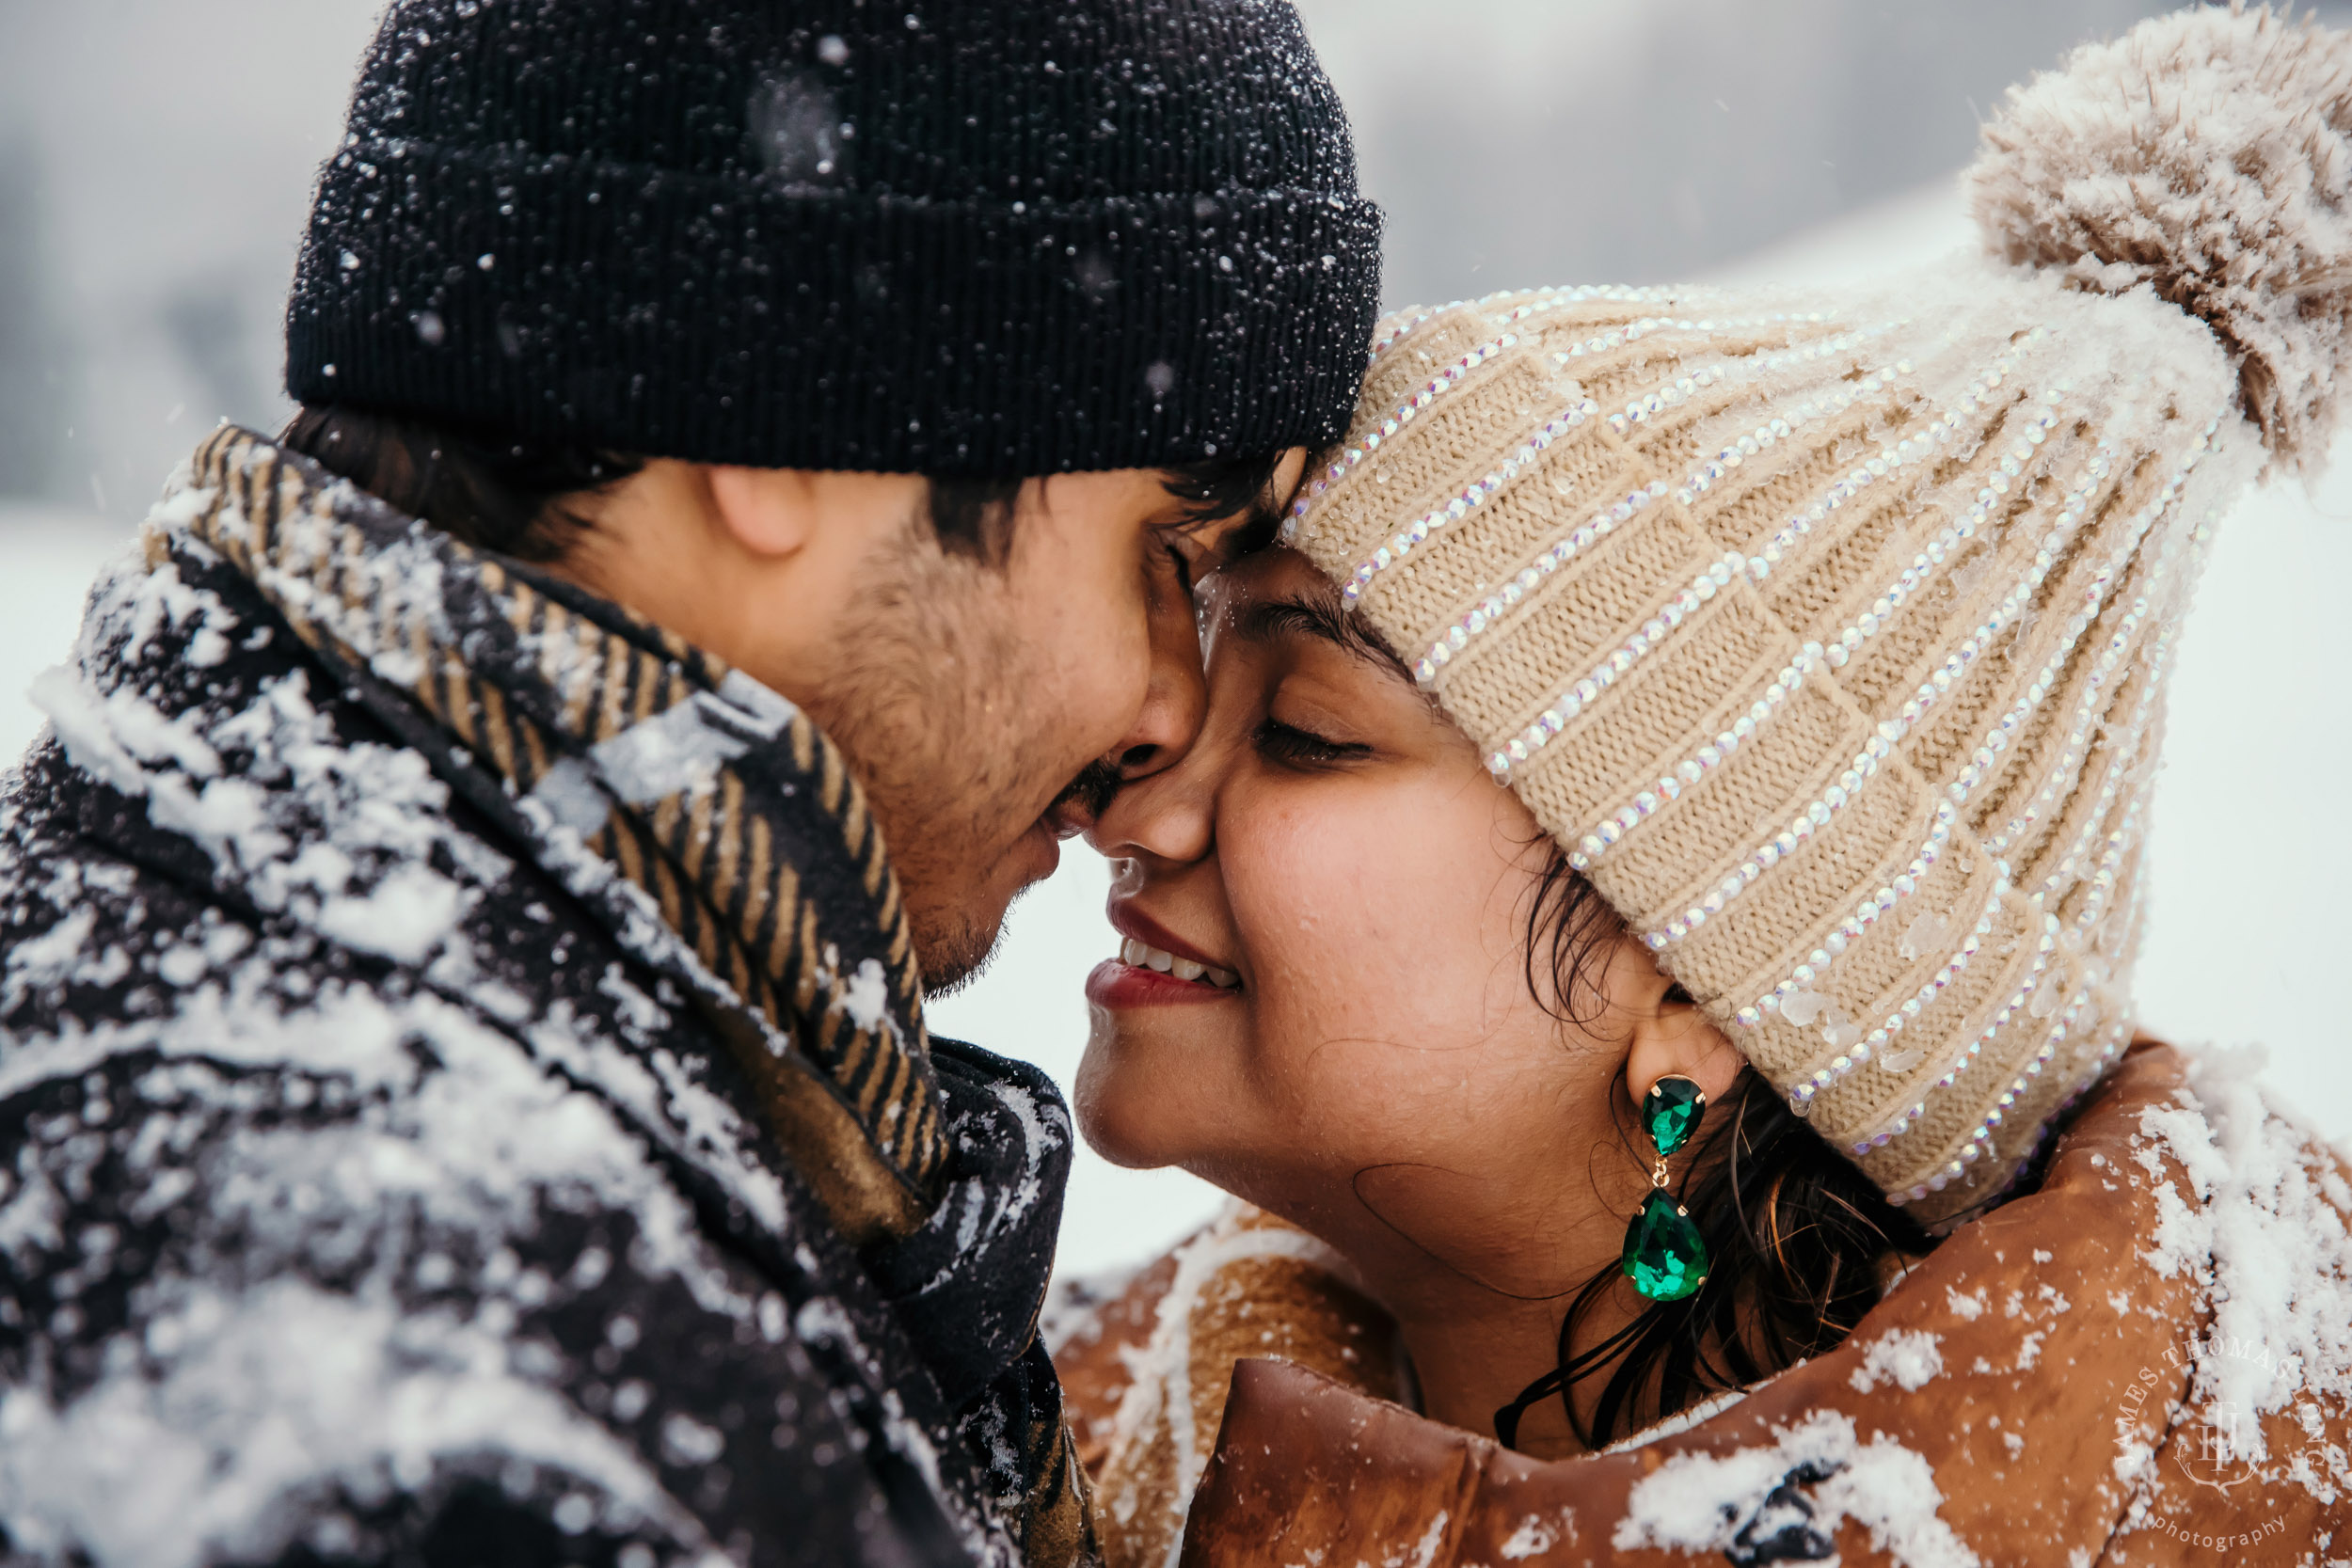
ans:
(1686, 708)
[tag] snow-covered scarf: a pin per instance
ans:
(202, 868)
(701, 788)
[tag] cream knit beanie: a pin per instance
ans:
(1828, 633)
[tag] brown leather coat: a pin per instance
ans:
(2026, 1395)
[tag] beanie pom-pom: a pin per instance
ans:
(2207, 154)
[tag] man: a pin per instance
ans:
(463, 1088)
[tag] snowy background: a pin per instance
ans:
(155, 162)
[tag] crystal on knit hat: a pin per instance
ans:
(1827, 630)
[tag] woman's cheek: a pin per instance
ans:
(1300, 885)
(1366, 948)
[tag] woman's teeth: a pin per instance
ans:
(1144, 956)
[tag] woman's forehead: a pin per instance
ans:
(1275, 574)
(1278, 595)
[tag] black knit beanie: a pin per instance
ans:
(956, 237)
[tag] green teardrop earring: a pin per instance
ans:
(1665, 1255)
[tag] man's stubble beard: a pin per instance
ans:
(922, 702)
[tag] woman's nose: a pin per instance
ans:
(1165, 816)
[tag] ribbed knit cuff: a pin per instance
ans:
(682, 316)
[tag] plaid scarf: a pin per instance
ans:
(714, 797)
(661, 784)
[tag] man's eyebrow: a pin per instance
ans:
(1269, 619)
(1261, 521)
(1256, 532)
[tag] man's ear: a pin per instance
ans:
(769, 513)
(1675, 1040)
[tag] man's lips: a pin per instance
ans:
(1078, 806)
(1042, 844)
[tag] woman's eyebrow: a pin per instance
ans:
(1270, 618)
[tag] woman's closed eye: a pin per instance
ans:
(1295, 747)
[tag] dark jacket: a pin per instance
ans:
(388, 1173)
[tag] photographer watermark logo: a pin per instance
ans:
(2213, 1441)
(2222, 1434)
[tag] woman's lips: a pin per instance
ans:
(1142, 955)
(1142, 935)
(1154, 966)
(1116, 983)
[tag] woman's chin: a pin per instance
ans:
(1126, 1111)
(1125, 1153)
(1122, 1138)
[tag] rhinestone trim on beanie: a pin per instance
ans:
(1827, 633)
(1890, 525)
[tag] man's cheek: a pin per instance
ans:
(1105, 688)
(1085, 657)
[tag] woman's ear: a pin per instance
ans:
(769, 513)
(1673, 1038)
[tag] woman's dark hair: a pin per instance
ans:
(1795, 1234)
(508, 496)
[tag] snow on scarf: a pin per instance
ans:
(463, 1087)
(701, 788)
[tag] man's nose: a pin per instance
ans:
(1175, 703)
(1176, 696)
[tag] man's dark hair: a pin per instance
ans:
(512, 496)
(485, 490)
(974, 516)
